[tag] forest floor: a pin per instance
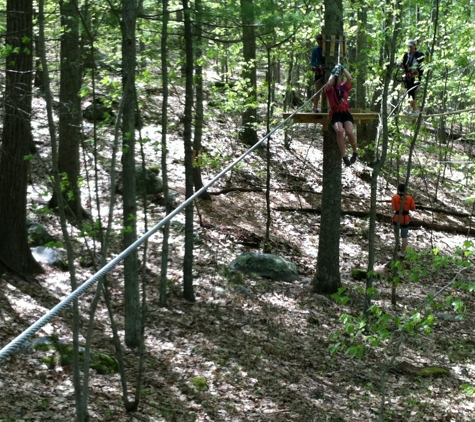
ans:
(253, 349)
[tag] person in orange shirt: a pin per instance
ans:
(409, 205)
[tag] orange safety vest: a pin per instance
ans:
(409, 205)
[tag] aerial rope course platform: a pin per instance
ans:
(333, 45)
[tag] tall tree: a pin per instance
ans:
(166, 190)
(197, 146)
(393, 22)
(327, 276)
(70, 110)
(17, 140)
(249, 73)
(131, 268)
(188, 291)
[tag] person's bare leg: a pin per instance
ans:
(403, 245)
(318, 87)
(340, 137)
(350, 134)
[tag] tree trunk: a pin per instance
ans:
(366, 132)
(17, 141)
(166, 194)
(188, 291)
(132, 296)
(70, 111)
(380, 157)
(198, 182)
(249, 74)
(327, 276)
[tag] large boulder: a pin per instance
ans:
(265, 265)
(49, 256)
(102, 362)
(146, 181)
(37, 234)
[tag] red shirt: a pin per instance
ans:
(409, 205)
(338, 97)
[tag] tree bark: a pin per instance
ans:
(132, 296)
(249, 74)
(70, 111)
(197, 180)
(327, 276)
(188, 291)
(15, 253)
(166, 190)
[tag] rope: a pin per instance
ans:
(448, 113)
(20, 339)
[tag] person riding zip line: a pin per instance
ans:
(340, 115)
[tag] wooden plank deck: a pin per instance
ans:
(323, 119)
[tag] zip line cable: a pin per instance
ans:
(21, 338)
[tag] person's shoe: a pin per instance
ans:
(347, 161)
(315, 110)
(353, 158)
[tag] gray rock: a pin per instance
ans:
(147, 181)
(265, 265)
(99, 111)
(37, 234)
(103, 363)
(322, 298)
(48, 256)
(447, 317)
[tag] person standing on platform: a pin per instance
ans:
(412, 65)
(318, 63)
(340, 115)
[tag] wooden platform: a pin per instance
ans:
(323, 119)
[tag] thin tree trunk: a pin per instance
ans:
(166, 191)
(198, 183)
(132, 295)
(188, 291)
(382, 159)
(81, 399)
(249, 74)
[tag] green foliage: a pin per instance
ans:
(340, 296)
(359, 332)
(200, 383)
(91, 230)
(468, 389)
(215, 161)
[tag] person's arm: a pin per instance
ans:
(420, 58)
(348, 76)
(404, 62)
(330, 83)
(314, 60)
